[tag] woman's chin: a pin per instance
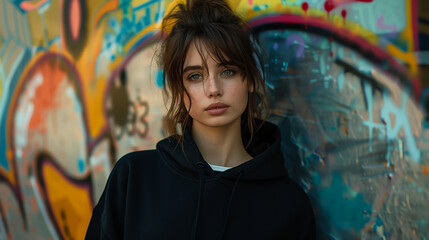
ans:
(217, 122)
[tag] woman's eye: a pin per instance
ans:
(228, 72)
(194, 77)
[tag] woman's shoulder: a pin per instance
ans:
(138, 155)
(136, 159)
(289, 187)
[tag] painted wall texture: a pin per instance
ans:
(347, 79)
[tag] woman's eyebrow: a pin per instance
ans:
(194, 67)
(198, 67)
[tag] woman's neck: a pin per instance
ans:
(221, 146)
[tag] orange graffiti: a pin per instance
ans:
(70, 203)
(75, 18)
(28, 6)
(425, 169)
(51, 75)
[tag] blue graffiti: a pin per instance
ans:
(401, 122)
(158, 78)
(122, 31)
(340, 196)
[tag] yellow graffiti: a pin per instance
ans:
(93, 86)
(407, 57)
(44, 24)
(136, 3)
(106, 8)
(95, 106)
(408, 35)
(170, 8)
(71, 204)
(140, 35)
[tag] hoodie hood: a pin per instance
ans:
(267, 162)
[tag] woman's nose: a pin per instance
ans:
(213, 87)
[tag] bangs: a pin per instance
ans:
(221, 47)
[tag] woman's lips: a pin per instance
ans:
(217, 108)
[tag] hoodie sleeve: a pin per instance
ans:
(306, 221)
(107, 219)
(94, 228)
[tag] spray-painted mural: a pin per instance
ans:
(347, 80)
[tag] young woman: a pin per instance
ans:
(222, 176)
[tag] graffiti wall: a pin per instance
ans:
(347, 81)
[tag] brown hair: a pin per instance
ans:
(211, 24)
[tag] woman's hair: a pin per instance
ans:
(209, 24)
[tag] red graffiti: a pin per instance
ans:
(344, 15)
(304, 6)
(332, 4)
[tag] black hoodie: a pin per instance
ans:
(172, 193)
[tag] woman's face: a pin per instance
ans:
(218, 94)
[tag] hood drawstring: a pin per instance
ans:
(225, 221)
(200, 168)
(201, 175)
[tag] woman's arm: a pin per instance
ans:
(94, 228)
(107, 219)
(306, 221)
